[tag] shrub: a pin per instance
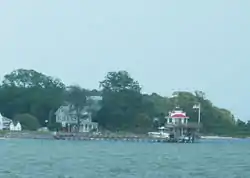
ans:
(27, 121)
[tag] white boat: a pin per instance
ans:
(160, 134)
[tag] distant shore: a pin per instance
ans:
(223, 137)
(217, 137)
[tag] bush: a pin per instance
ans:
(27, 121)
(55, 126)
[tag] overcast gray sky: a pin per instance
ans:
(165, 45)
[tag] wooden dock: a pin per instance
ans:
(82, 137)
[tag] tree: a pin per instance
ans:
(118, 82)
(160, 104)
(143, 123)
(28, 91)
(27, 121)
(123, 107)
(215, 120)
(23, 78)
(122, 101)
(77, 100)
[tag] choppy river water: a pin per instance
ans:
(100, 159)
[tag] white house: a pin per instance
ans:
(15, 127)
(4, 123)
(66, 115)
(7, 124)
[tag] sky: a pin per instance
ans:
(165, 45)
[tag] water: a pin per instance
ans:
(93, 159)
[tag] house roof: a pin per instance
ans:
(96, 98)
(68, 109)
(177, 114)
(92, 105)
(5, 119)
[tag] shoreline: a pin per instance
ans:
(51, 135)
(222, 137)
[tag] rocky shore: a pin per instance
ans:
(28, 135)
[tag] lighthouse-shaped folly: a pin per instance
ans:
(177, 123)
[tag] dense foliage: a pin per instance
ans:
(30, 96)
(27, 121)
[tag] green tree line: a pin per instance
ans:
(32, 98)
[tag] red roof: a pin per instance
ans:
(178, 115)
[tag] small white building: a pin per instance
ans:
(15, 126)
(177, 123)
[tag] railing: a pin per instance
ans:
(192, 125)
